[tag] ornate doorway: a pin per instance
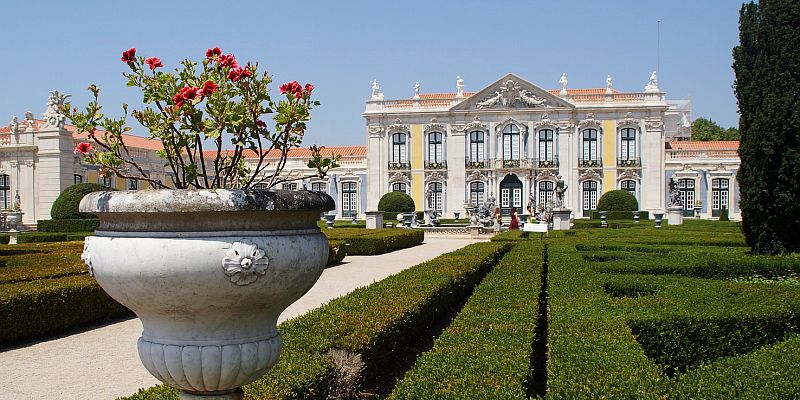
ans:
(510, 194)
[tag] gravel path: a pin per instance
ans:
(102, 363)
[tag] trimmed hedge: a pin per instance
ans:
(67, 225)
(40, 237)
(382, 241)
(393, 203)
(66, 204)
(617, 200)
(621, 215)
(337, 250)
(486, 352)
(365, 323)
(41, 307)
(26, 262)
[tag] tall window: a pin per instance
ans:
(476, 146)
(686, 188)
(399, 187)
(260, 186)
(511, 142)
(106, 181)
(289, 186)
(628, 185)
(319, 186)
(435, 147)
(399, 147)
(719, 195)
(477, 191)
(628, 143)
(590, 144)
(589, 197)
(435, 196)
(76, 179)
(349, 199)
(546, 190)
(5, 191)
(133, 184)
(546, 144)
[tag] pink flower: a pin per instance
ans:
(154, 62)
(129, 56)
(213, 53)
(83, 148)
(208, 89)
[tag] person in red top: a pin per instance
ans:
(514, 220)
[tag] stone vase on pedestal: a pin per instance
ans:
(675, 215)
(374, 219)
(208, 272)
(561, 220)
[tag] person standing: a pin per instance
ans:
(498, 220)
(514, 220)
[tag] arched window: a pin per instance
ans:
(589, 197)
(590, 144)
(435, 147)
(399, 187)
(546, 190)
(719, 195)
(476, 146)
(319, 186)
(628, 144)
(349, 199)
(5, 191)
(628, 185)
(686, 189)
(399, 148)
(511, 142)
(477, 191)
(546, 152)
(435, 196)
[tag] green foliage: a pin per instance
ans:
(383, 241)
(393, 203)
(66, 204)
(28, 262)
(621, 215)
(707, 130)
(67, 225)
(37, 237)
(723, 214)
(769, 176)
(337, 250)
(617, 200)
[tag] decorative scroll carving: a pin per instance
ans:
(545, 121)
(434, 126)
(628, 122)
(628, 173)
(397, 126)
(509, 95)
(375, 130)
(546, 175)
(477, 176)
(589, 122)
(435, 177)
(86, 256)
(53, 115)
(654, 124)
(589, 174)
(476, 125)
(244, 262)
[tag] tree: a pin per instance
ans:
(767, 83)
(704, 129)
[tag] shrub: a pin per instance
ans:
(67, 225)
(384, 241)
(617, 200)
(28, 262)
(66, 205)
(396, 202)
(621, 215)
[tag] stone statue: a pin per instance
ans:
(13, 126)
(459, 87)
(29, 118)
(674, 194)
(563, 82)
(609, 83)
(653, 80)
(416, 90)
(376, 91)
(53, 115)
(561, 189)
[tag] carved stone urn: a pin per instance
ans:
(208, 272)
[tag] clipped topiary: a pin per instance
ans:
(396, 202)
(618, 200)
(66, 205)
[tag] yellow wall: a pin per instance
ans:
(609, 155)
(91, 176)
(417, 178)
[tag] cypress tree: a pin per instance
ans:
(767, 68)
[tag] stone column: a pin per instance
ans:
(54, 172)
(456, 170)
(653, 179)
(377, 166)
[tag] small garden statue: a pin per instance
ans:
(561, 189)
(674, 193)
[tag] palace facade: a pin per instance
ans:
(513, 140)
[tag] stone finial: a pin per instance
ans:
(459, 87)
(52, 115)
(609, 85)
(652, 84)
(416, 91)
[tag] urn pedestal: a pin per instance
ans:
(561, 220)
(208, 272)
(675, 215)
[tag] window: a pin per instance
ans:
(105, 181)
(719, 195)
(628, 143)
(349, 199)
(686, 188)
(133, 184)
(260, 186)
(399, 148)
(546, 192)
(589, 197)
(477, 191)
(590, 144)
(476, 146)
(629, 186)
(399, 187)
(435, 147)
(546, 144)
(5, 191)
(289, 186)
(76, 179)
(511, 142)
(435, 196)
(319, 186)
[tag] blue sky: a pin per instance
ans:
(341, 46)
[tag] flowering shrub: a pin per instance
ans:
(215, 103)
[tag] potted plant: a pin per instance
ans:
(206, 262)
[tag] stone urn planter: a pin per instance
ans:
(208, 272)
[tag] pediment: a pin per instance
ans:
(512, 92)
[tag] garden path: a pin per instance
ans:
(102, 363)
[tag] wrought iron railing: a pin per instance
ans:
(629, 162)
(547, 163)
(436, 165)
(475, 164)
(399, 165)
(589, 163)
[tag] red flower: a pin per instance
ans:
(228, 60)
(154, 62)
(261, 124)
(298, 94)
(208, 88)
(292, 87)
(83, 148)
(236, 73)
(213, 53)
(285, 88)
(129, 56)
(309, 88)
(186, 93)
